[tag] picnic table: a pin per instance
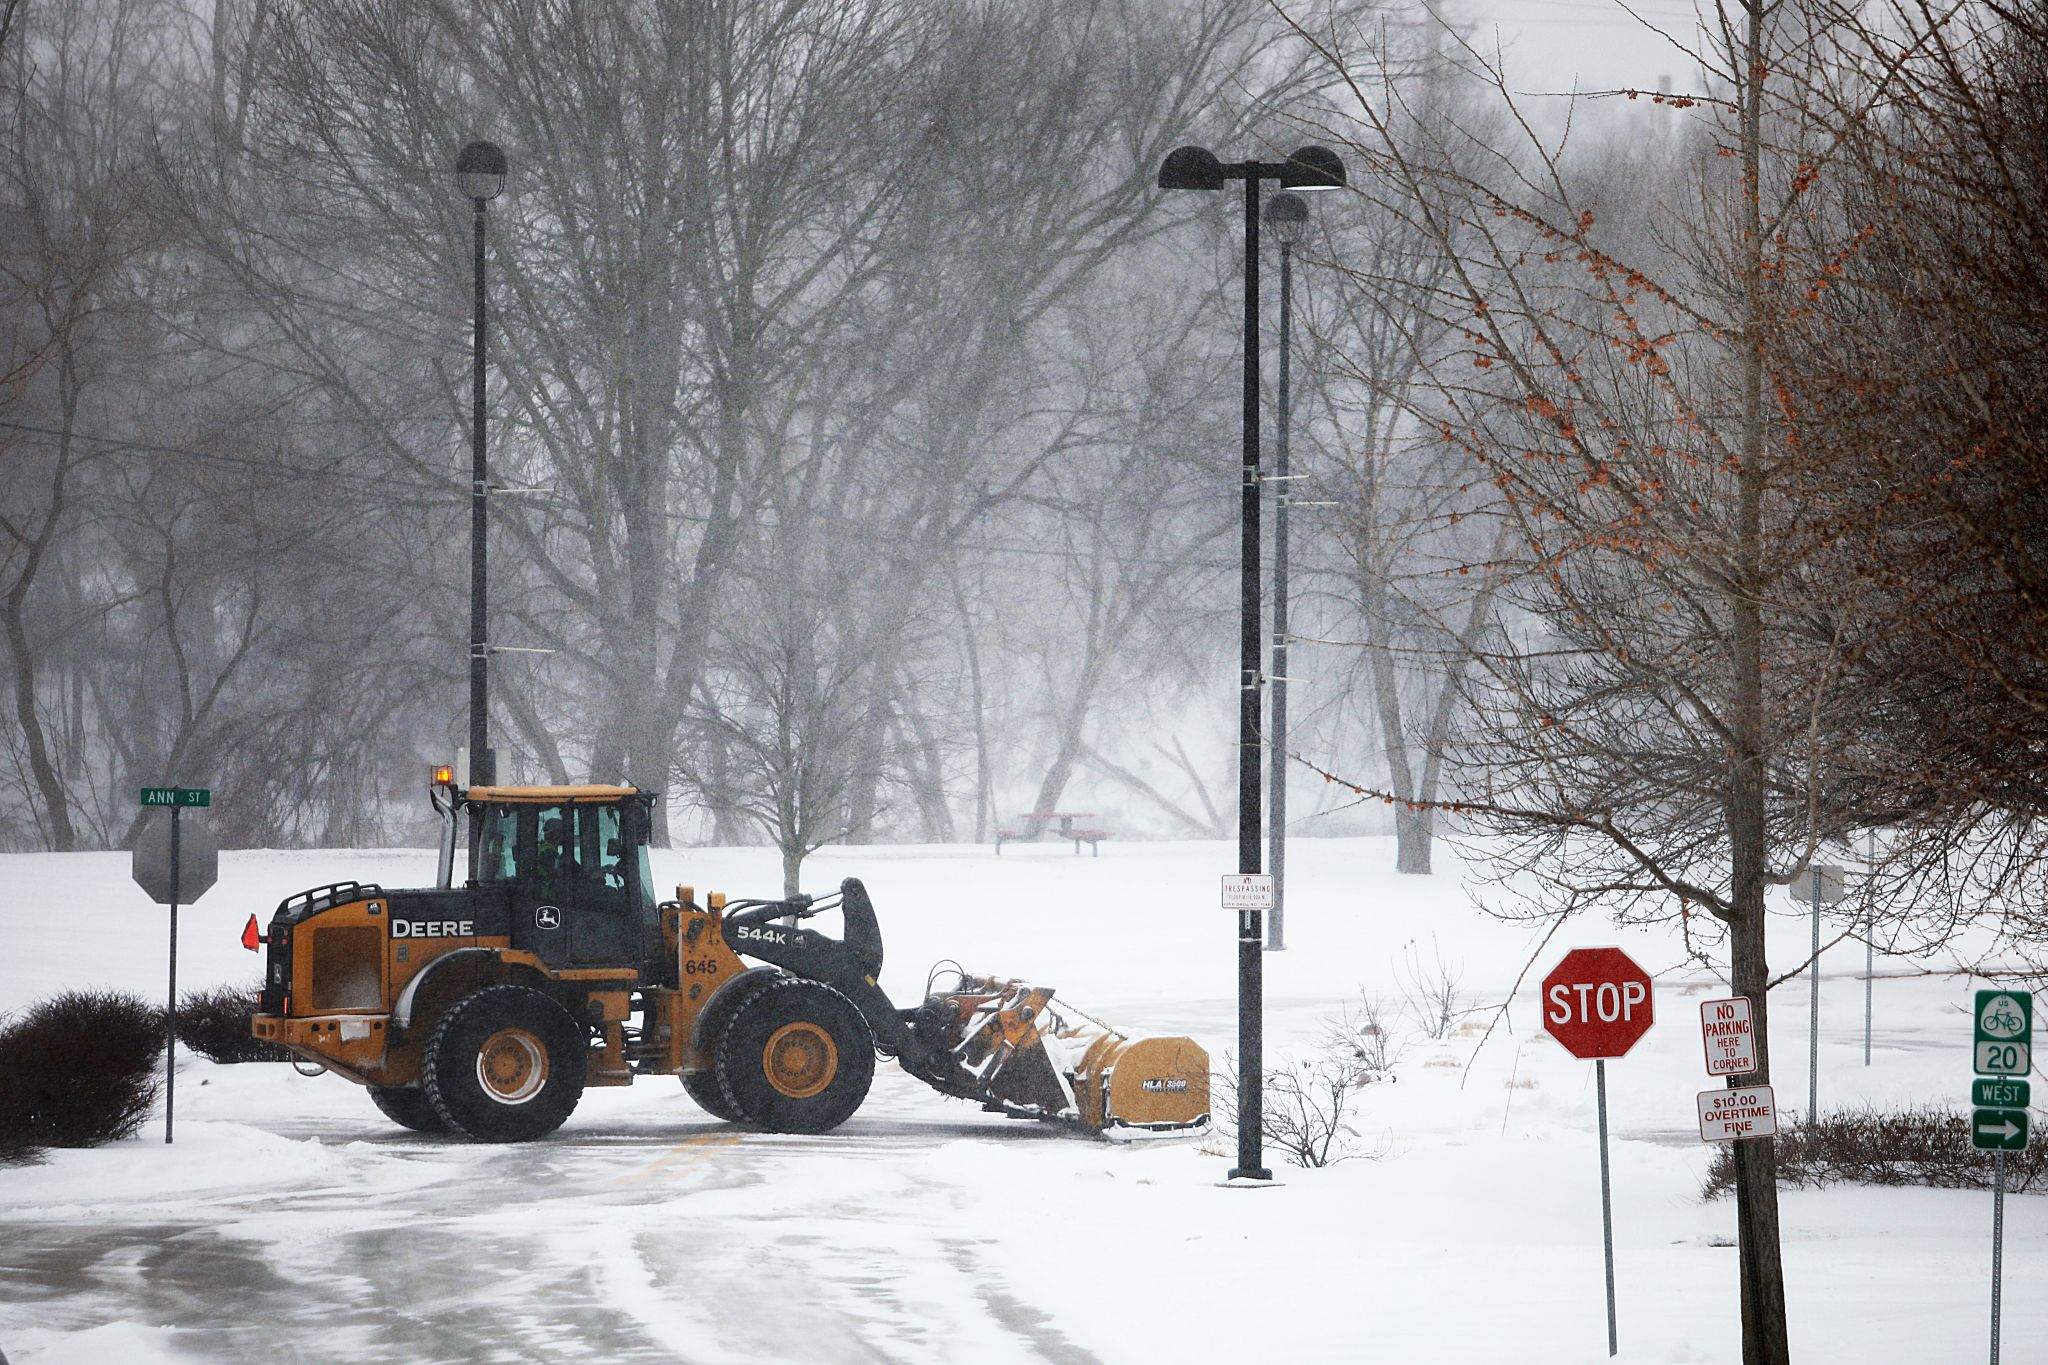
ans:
(1043, 821)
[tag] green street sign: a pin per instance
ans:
(177, 796)
(2004, 1033)
(2000, 1093)
(1998, 1130)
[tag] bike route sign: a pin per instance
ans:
(2004, 1040)
(2005, 1032)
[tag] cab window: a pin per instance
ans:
(497, 851)
(611, 856)
(558, 851)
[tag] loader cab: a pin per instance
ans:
(571, 863)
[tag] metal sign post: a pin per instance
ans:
(2003, 1039)
(1606, 1202)
(1813, 1015)
(171, 992)
(1823, 887)
(1997, 1243)
(1598, 1004)
(160, 867)
(1869, 933)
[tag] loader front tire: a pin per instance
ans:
(702, 1086)
(408, 1108)
(796, 1058)
(505, 1065)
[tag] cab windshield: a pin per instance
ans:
(600, 852)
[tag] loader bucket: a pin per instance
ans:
(1019, 1053)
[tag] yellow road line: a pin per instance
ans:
(701, 1145)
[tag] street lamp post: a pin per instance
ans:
(1196, 168)
(1287, 216)
(480, 173)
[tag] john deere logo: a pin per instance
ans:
(548, 917)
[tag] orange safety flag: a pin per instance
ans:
(250, 936)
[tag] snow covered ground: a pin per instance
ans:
(291, 1223)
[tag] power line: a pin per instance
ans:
(381, 484)
(121, 445)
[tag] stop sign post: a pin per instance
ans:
(174, 863)
(1598, 1003)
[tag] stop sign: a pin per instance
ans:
(198, 860)
(1597, 1002)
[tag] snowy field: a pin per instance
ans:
(291, 1223)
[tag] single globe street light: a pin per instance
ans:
(1287, 220)
(480, 170)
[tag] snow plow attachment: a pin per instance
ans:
(1031, 1058)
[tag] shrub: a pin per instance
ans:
(1306, 1110)
(1884, 1147)
(77, 1070)
(215, 1024)
(1431, 993)
(1362, 1038)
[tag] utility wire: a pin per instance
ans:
(120, 446)
(381, 484)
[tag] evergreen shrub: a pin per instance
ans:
(77, 1070)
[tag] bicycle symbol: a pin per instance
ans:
(2002, 1018)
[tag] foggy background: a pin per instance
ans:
(864, 422)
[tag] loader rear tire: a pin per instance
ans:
(505, 1065)
(408, 1109)
(796, 1058)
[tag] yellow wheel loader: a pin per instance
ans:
(484, 1010)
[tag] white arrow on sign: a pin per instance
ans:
(2006, 1130)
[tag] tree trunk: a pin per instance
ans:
(1413, 830)
(864, 785)
(927, 774)
(1762, 1265)
(1413, 835)
(1070, 749)
(984, 784)
(792, 864)
(1764, 1339)
(55, 815)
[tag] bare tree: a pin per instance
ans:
(789, 700)
(1406, 527)
(1913, 363)
(76, 82)
(1646, 718)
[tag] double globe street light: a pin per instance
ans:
(1197, 168)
